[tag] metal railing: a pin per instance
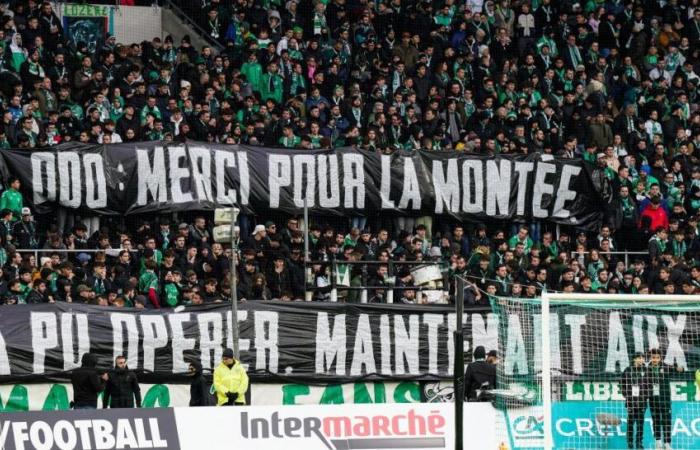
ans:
(364, 289)
(192, 23)
(47, 251)
(626, 253)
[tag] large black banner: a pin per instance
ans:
(149, 177)
(597, 340)
(305, 342)
(332, 342)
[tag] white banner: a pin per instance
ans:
(334, 427)
(328, 427)
(335, 394)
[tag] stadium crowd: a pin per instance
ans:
(613, 83)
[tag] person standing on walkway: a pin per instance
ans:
(87, 383)
(122, 389)
(230, 381)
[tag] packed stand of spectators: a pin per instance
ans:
(613, 83)
(160, 264)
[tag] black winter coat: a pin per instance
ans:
(25, 234)
(660, 386)
(86, 382)
(35, 296)
(478, 373)
(279, 282)
(199, 389)
(634, 385)
(121, 390)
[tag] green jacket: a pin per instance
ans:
(146, 110)
(12, 200)
(253, 73)
(513, 241)
(271, 87)
(147, 281)
(172, 294)
(292, 142)
(157, 257)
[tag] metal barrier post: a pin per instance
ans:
(458, 380)
(234, 284)
(363, 296)
(334, 286)
(363, 277)
(307, 274)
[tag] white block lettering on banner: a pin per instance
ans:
(336, 344)
(149, 177)
(4, 359)
(71, 359)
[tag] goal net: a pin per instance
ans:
(599, 372)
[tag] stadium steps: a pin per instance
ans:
(178, 24)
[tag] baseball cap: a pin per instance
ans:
(26, 211)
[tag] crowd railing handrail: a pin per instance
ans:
(364, 276)
(627, 254)
(170, 4)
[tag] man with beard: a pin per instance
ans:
(122, 387)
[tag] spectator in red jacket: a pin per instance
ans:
(656, 214)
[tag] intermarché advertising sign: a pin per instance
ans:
(329, 427)
(337, 427)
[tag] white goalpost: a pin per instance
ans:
(576, 369)
(546, 373)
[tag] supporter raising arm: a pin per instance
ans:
(148, 283)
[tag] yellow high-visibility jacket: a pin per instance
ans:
(230, 380)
